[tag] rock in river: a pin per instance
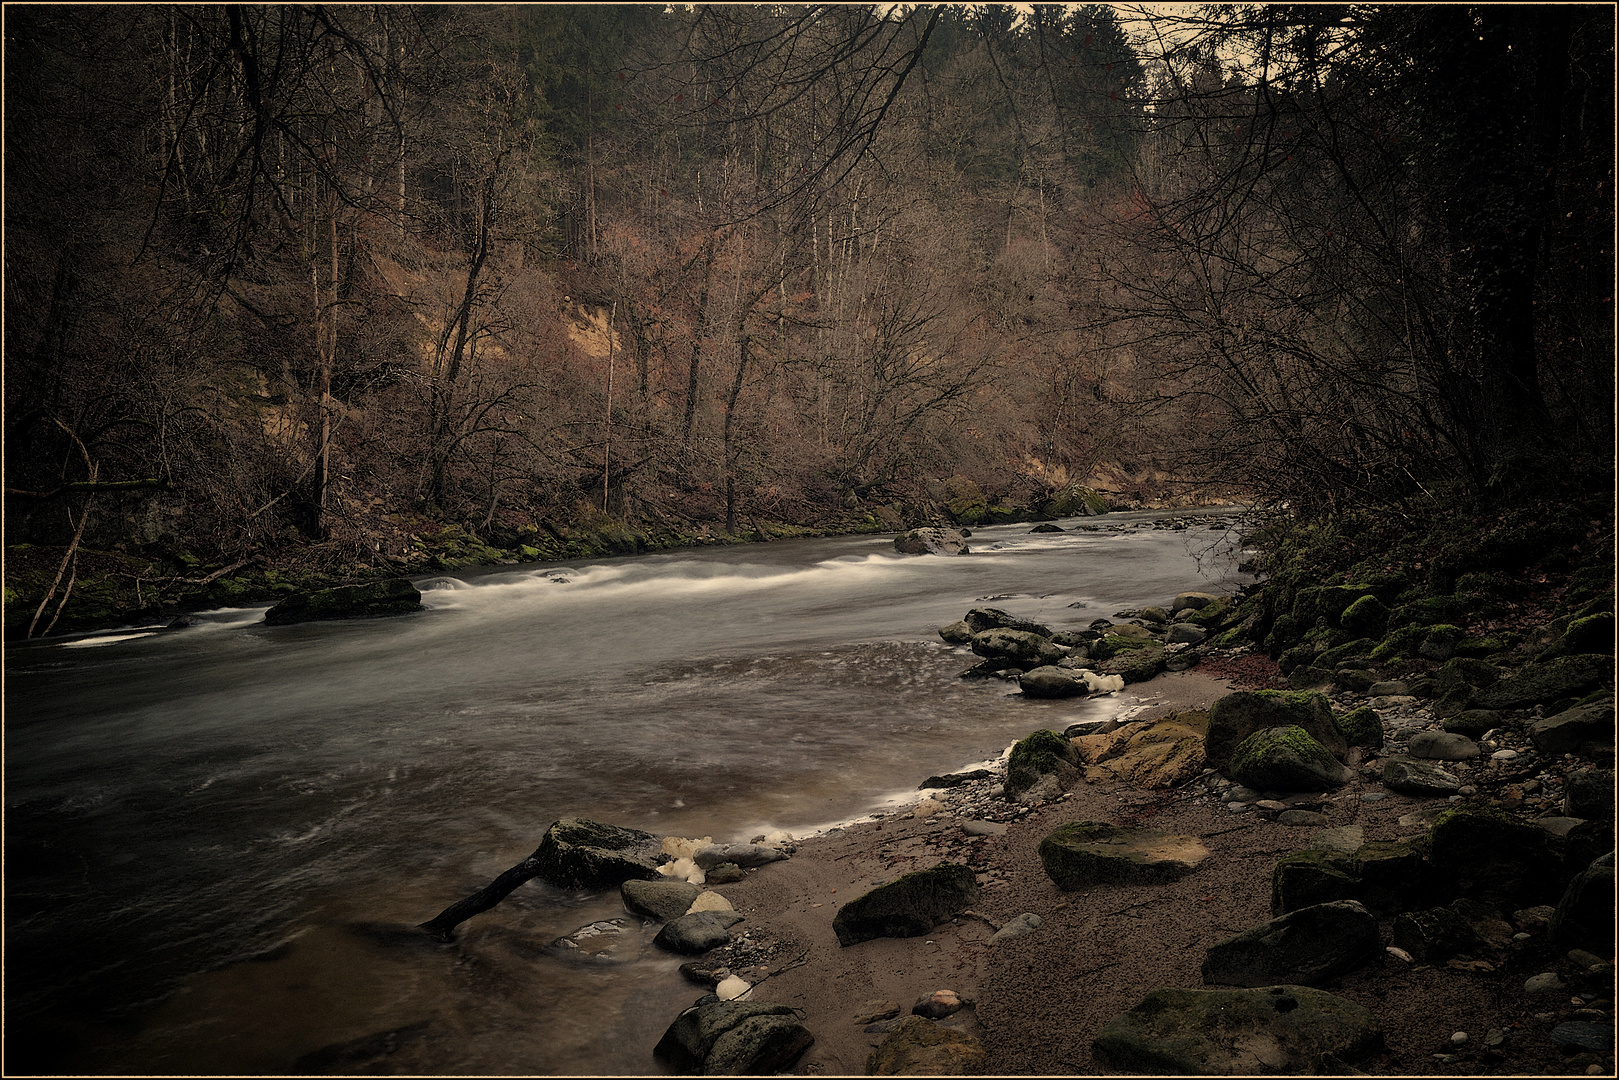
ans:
(734, 1038)
(396, 596)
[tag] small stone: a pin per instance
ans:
(937, 1005)
(1586, 960)
(1446, 1059)
(1300, 817)
(1504, 756)
(1496, 1037)
(1458, 1038)
(1399, 954)
(1373, 796)
(1544, 984)
(983, 828)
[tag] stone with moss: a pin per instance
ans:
(1317, 876)
(1362, 727)
(1285, 758)
(379, 599)
(1236, 716)
(1037, 755)
(1349, 650)
(1393, 875)
(577, 853)
(909, 906)
(1486, 854)
(1592, 634)
(1538, 684)
(1366, 617)
(1083, 853)
(1136, 664)
(1016, 648)
(1430, 610)
(1327, 602)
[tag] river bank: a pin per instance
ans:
(1039, 1000)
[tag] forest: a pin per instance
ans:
(354, 289)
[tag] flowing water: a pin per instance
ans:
(213, 832)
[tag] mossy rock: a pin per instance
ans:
(1537, 684)
(1285, 758)
(1483, 853)
(577, 853)
(1460, 672)
(1593, 634)
(1296, 657)
(1083, 853)
(916, 1046)
(1034, 756)
(1367, 616)
(1135, 665)
(1362, 727)
(395, 596)
(1236, 716)
(1317, 876)
(1327, 602)
(908, 907)
(1237, 1032)
(1393, 875)
(1473, 722)
(1430, 610)
(1211, 615)
(1359, 647)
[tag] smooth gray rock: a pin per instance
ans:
(1345, 838)
(1186, 634)
(1565, 677)
(1051, 682)
(1546, 984)
(983, 828)
(1308, 946)
(747, 856)
(698, 932)
(725, 873)
(1568, 731)
(663, 900)
(1027, 923)
(1442, 746)
(1016, 648)
(1194, 601)
(1411, 777)
(981, 619)
(1255, 1032)
(1584, 1035)
(1388, 688)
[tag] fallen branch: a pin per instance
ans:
(444, 923)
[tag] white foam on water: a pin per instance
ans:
(108, 639)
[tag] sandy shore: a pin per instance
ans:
(1042, 998)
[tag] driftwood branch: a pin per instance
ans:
(93, 487)
(444, 923)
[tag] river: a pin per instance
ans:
(210, 830)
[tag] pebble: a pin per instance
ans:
(1459, 1039)
(1398, 954)
(1585, 959)
(1373, 796)
(1547, 982)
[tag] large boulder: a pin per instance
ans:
(1308, 946)
(909, 906)
(1589, 794)
(1285, 759)
(396, 596)
(1236, 716)
(1083, 853)
(1165, 753)
(1256, 1032)
(1016, 648)
(1538, 684)
(577, 853)
(1485, 854)
(1574, 730)
(932, 542)
(734, 1038)
(1308, 878)
(916, 1046)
